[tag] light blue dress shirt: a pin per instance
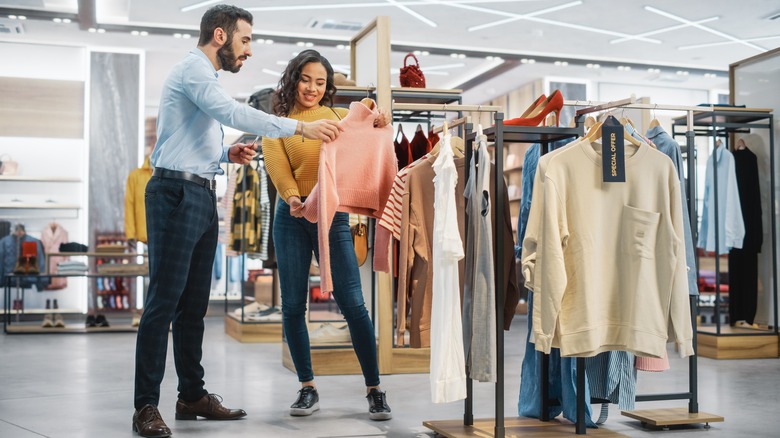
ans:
(731, 225)
(193, 108)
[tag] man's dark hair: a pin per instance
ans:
(224, 16)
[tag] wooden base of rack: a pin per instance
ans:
(327, 361)
(253, 332)
(738, 343)
(672, 417)
(518, 426)
(410, 360)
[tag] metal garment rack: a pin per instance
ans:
(692, 415)
(720, 122)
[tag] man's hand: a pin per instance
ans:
(242, 153)
(325, 130)
(296, 206)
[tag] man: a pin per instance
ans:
(181, 213)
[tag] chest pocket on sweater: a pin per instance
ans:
(638, 230)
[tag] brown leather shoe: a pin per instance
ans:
(148, 423)
(209, 407)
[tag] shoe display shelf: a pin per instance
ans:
(14, 317)
(257, 321)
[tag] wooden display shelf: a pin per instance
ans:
(513, 427)
(327, 361)
(672, 417)
(270, 331)
(736, 343)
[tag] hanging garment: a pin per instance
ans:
(246, 211)
(415, 271)
(135, 202)
(743, 263)
(561, 371)
(403, 152)
(5, 228)
(731, 227)
(479, 294)
(448, 367)
(268, 252)
(264, 205)
(612, 376)
(666, 144)
(419, 145)
(52, 236)
(595, 241)
(226, 234)
(389, 225)
(351, 179)
(433, 139)
(9, 252)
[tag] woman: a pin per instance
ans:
(306, 93)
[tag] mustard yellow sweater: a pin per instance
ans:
(293, 164)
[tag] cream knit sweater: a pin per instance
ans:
(606, 260)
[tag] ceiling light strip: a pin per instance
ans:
(704, 28)
(664, 30)
(365, 5)
(520, 17)
(543, 20)
(723, 43)
(412, 13)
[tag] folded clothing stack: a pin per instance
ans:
(123, 268)
(71, 267)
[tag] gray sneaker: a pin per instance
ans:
(378, 409)
(308, 401)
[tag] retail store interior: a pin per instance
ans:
(81, 84)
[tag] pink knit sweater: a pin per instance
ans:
(356, 175)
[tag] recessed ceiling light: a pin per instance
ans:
(524, 61)
(22, 17)
(300, 44)
(269, 41)
(57, 20)
(12, 17)
(624, 68)
(177, 35)
(682, 73)
(461, 55)
(144, 33)
(135, 33)
(489, 58)
(260, 41)
(425, 53)
(101, 31)
(654, 70)
(66, 20)
(453, 55)
(341, 46)
(92, 29)
(561, 63)
(185, 35)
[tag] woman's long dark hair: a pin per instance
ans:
(284, 97)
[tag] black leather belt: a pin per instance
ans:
(187, 176)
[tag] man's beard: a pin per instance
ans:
(227, 58)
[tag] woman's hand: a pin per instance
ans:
(383, 118)
(296, 206)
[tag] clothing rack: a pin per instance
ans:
(692, 415)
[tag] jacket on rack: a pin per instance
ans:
(731, 227)
(9, 253)
(135, 202)
(588, 242)
(246, 211)
(356, 173)
(52, 236)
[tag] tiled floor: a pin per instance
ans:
(79, 385)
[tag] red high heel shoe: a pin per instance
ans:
(554, 103)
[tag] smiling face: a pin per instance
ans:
(236, 49)
(311, 86)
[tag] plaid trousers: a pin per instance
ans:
(181, 219)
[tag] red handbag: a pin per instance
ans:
(411, 75)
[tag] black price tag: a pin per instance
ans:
(613, 157)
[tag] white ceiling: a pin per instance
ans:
(657, 34)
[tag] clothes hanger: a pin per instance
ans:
(400, 131)
(741, 145)
(654, 123)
